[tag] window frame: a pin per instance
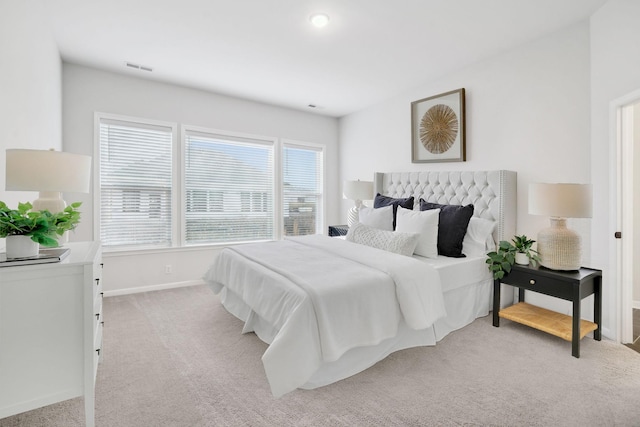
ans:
(178, 193)
(133, 122)
(322, 148)
(209, 132)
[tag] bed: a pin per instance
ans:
(330, 308)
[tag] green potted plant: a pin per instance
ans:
(502, 259)
(524, 250)
(25, 229)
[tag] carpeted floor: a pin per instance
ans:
(177, 358)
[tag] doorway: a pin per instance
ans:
(627, 113)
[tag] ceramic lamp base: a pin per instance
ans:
(354, 213)
(558, 247)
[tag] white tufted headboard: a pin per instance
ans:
(493, 193)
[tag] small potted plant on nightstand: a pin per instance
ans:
(25, 229)
(502, 259)
(507, 254)
(524, 250)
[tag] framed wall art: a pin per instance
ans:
(438, 128)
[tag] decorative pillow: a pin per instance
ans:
(381, 218)
(479, 238)
(452, 227)
(381, 201)
(425, 223)
(391, 241)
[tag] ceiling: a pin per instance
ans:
(267, 50)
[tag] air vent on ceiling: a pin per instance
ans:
(138, 67)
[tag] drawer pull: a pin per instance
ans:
(98, 351)
(532, 282)
(97, 282)
(102, 294)
(101, 265)
(97, 316)
(102, 323)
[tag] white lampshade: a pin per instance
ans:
(560, 200)
(560, 248)
(48, 172)
(356, 191)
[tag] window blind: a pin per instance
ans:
(229, 188)
(135, 184)
(302, 207)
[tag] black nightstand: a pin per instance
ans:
(338, 230)
(569, 285)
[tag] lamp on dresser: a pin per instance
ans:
(357, 191)
(559, 247)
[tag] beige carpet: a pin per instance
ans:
(177, 358)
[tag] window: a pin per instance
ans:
(302, 189)
(230, 181)
(135, 176)
(207, 187)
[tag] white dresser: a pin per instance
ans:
(51, 331)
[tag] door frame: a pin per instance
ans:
(621, 250)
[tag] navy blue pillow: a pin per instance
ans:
(452, 226)
(381, 201)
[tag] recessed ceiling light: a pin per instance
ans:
(319, 19)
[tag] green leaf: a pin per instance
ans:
(42, 226)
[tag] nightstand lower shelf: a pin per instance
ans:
(548, 321)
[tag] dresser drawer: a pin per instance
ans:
(97, 317)
(97, 347)
(97, 285)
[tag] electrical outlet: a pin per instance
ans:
(168, 269)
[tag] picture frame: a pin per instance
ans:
(438, 131)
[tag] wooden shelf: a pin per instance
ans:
(545, 320)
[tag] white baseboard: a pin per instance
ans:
(153, 288)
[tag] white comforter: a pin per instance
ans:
(324, 296)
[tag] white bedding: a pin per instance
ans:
(318, 300)
(457, 272)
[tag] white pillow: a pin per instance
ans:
(425, 223)
(479, 238)
(380, 218)
(391, 241)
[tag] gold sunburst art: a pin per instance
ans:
(439, 128)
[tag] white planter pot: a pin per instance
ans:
(522, 259)
(21, 247)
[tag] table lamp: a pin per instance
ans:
(357, 191)
(50, 173)
(560, 248)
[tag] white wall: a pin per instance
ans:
(87, 90)
(30, 93)
(615, 66)
(527, 110)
